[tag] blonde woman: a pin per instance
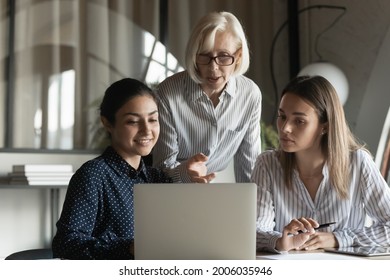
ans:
(211, 110)
(320, 174)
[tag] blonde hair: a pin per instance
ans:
(202, 40)
(337, 143)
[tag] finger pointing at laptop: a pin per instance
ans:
(197, 169)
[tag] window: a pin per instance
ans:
(62, 56)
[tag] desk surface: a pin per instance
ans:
(313, 255)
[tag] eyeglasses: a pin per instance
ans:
(222, 60)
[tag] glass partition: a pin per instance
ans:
(64, 55)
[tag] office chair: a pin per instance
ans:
(32, 254)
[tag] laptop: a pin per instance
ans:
(361, 251)
(195, 221)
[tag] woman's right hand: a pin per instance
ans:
(197, 169)
(291, 238)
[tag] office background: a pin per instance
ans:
(58, 56)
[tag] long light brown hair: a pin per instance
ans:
(337, 143)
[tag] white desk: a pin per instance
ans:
(313, 255)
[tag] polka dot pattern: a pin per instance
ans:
(97, 220)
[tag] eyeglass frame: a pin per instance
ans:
(215, 59)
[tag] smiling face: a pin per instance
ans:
(214, 76)
(298, 125)
(136, 129)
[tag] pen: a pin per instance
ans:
(320, 226)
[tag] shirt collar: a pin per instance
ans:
(195, 91)
(231, 87)
(122, 167)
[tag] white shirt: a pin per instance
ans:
(189, 124)
(277, 205)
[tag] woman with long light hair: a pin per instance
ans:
(320, 174)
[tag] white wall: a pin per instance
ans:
(376, 101)
(25, 220)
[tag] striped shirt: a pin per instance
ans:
(189, 124)
(277, 205)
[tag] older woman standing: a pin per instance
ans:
(210, 111)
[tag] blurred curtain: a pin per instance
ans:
(4, 23)
(66, 52)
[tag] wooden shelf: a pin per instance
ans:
(49, 187)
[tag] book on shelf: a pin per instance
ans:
(33, 175)
(42, 168)
(39, 182)
(39, 178)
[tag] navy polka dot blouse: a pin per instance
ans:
(97, 220)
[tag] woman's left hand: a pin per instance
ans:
(320, 240)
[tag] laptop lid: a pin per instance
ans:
(195, 221)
